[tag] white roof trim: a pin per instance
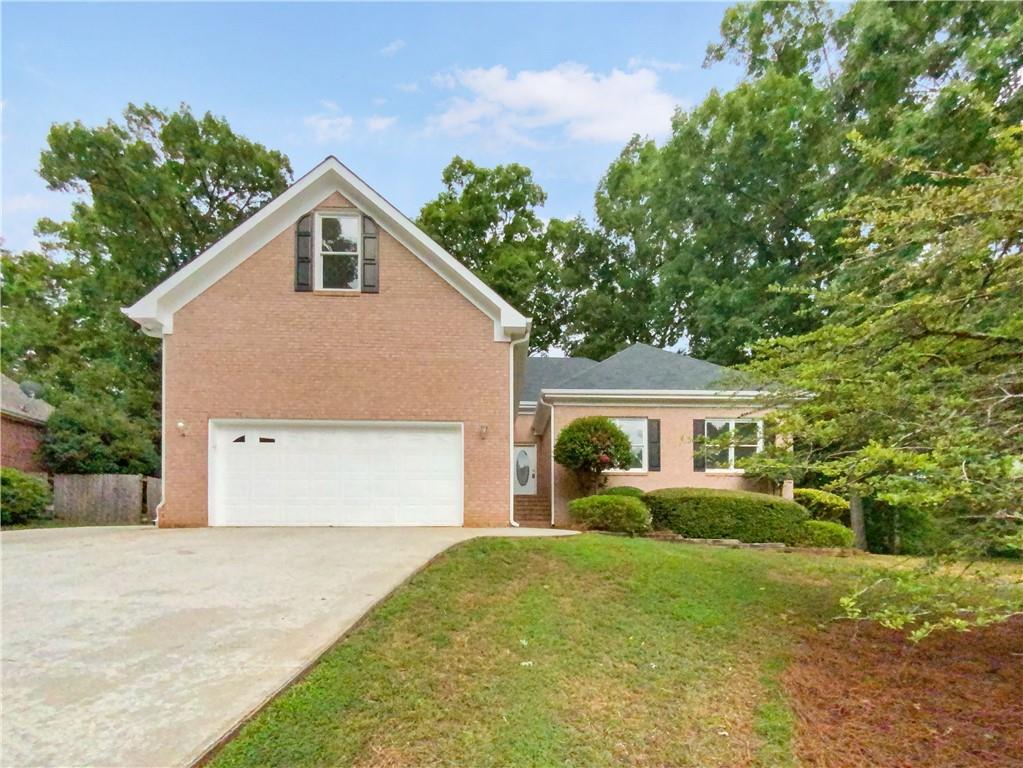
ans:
(651, 394)
(155, 311)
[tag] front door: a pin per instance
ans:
(525, 470)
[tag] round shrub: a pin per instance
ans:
(823, 505)
(705, 513)
(624, 490)
(591, 445)
(22, 497)
(611, 512)
(824, 533)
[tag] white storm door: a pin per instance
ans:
(524, 468)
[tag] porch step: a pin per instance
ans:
(533, 520)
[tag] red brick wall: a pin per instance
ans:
(18, 445)
(676, 452)
(252, 347)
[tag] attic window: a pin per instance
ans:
(239, 439)
(338, 252)
(268, 440)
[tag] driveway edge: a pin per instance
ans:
(208, 753)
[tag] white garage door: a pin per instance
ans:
(335, 473)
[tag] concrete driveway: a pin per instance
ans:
(142, 647)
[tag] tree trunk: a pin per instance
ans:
(856, 521)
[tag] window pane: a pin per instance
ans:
(717, 459)
(746, 433)
(742, 451)
(637, 456)
(635, 430)
(340, 270)
(339, 234)
(716, 429)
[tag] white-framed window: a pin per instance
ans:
(338, 252)
(746, 437)
(635, 430)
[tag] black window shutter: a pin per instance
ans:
(699, 452)
(370, 256)
(653, 445)
(304, 253)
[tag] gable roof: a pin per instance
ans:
(15, 403)
(546, 372)
(155, 311)
(645, 368)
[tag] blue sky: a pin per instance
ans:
(393, 90)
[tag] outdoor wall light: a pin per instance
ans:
(483, 431)
(181, 427)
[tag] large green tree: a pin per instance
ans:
(487, 218)
(154, 190)
(725, 234)
(913, 388)
(610, 272)
(911, 392)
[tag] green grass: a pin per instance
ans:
(585, 651)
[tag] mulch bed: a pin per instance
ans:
(864, 696)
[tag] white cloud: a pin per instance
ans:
(659, 65)
(587, 105)
(379, 101)
(329, 128)
(444, 80)
(378, 123)
(408, 87)
(392, 47)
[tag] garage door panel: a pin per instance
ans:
(336, 473)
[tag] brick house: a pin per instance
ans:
(22, 426)
(327, 363)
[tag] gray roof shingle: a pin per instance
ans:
(547, 372)
(16, 403)
(644, 367)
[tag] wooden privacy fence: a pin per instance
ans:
(105, 499)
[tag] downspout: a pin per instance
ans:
(512, 407)
(550, 439)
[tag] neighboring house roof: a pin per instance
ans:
(546, 372)
(155, 311)
(642, 367)
(18, 405)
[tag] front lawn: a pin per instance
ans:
(585, 651)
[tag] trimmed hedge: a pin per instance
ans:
(823, 505)
(624, 490)
(22, 497)
(611, 512)
(705, 513)
(824, 533)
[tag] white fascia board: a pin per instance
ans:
(656, 394)
(155, 311)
